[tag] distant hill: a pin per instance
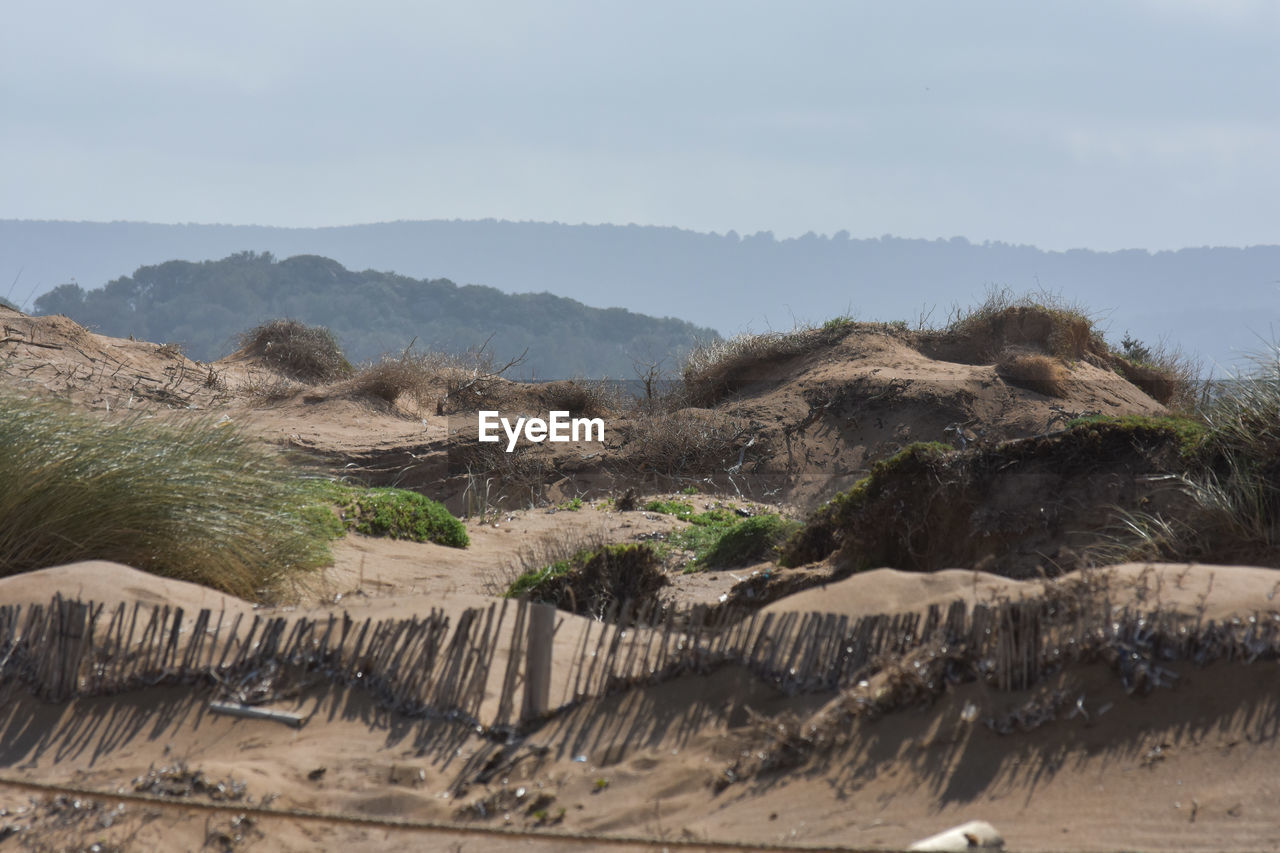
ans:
(1217, 301)
(204, 306)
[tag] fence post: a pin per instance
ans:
(537, 662)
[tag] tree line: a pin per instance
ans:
(205, 306)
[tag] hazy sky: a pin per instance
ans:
(1106, 124)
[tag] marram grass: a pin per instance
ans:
(188, 499)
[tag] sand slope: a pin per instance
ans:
(1186, 768)
(796, 429)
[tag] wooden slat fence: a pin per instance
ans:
(429, 665)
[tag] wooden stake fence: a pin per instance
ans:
(426, 666)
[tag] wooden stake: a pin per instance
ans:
(537, 679)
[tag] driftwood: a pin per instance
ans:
(250, 712)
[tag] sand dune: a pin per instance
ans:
(1073, 762)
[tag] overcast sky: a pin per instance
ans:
(1105, 125)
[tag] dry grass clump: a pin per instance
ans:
(412, 374)
(1166, 375)
(451, 382)
(553, 547)
(1038, 372)
(263, 390)
(306, 353)
(191, 500)
(1047, 323)
(1168, 387)
(473, 380)
(1042, 320)
(589, 398)
(496, 478)
(686, 442)
(1244, 416)
(715, 370)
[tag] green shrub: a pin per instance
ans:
(822, 532)
(190, 499)
(532, 584)
(749, 540)
(320, 510)
(697, 539)
(720, 537)
(842, 323)
(399, 514)
(1191, 433)
(684, 511)
(592, 580)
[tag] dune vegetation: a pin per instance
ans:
(195, 500)
(393, 513)
(1031, 338)
(1233, 480)
(191, 499)
(302, 352)
(592, 580)
(1199, 486)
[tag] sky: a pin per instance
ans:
(1104, 125)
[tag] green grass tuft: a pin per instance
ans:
(529, 583)
(189, 499)
(720, 537)
(839, 324)
(679, 509)
(1191, 433)
(748, 540)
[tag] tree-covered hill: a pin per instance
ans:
(204, 306)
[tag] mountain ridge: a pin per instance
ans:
(1214, 301)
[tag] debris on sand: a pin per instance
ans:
(974, 835)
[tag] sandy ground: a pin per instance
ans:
(1187, 768)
